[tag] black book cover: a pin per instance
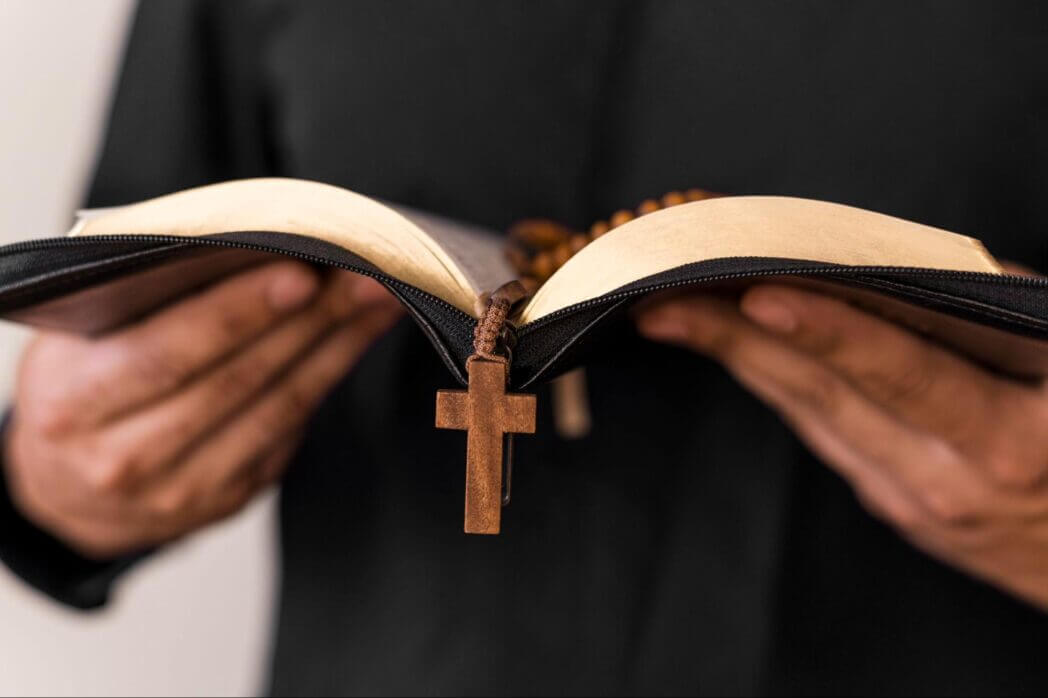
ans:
(92, 284)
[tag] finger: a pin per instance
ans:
(99, 537)
(154, 357)
(367, 291)
(245, 485)
(810, 393)
(926, 385)
(266, 424)
(273, 466)
(159, 435)
(879, 493)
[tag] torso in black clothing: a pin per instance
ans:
(689, 544)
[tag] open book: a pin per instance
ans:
(118, 264)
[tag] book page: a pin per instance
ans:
(454, 263)
(752, 226)
(478, 252)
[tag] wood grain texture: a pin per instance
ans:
(487, 413)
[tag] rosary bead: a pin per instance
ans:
(598, 229)
(577, 242)
(542, 266)
(539, 234)
(696, 194)
(620, 217)
(561, 254)
(648, 206)
(517, 257)
(673, 198)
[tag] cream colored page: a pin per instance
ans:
(744, 226)
(372, 230)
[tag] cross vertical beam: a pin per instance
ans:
(487, 413)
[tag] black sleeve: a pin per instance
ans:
(189, 108)
(49, 565)
(192, 104)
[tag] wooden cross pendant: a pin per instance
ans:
(487, 413)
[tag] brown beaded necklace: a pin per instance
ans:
(539, 247)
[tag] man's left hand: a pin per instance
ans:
(951, 455)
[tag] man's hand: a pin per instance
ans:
(134, 438)
(952, 456)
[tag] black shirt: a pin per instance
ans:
(690, 543)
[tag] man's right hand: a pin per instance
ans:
(124, 441)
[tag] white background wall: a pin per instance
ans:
(196, 619)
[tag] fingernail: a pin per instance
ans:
(292, 288)
(769, 312)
